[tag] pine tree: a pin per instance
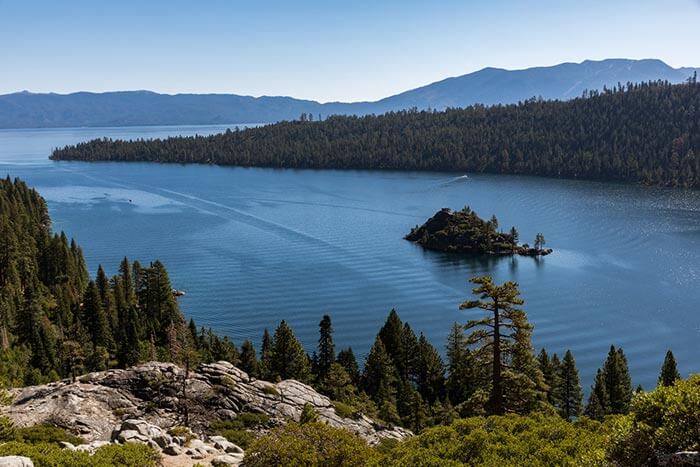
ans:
(430, 377)
(617, 381)
(461, 377)
(347, 359)
(95, 319)
(288, 358)
(669, 371)
(524, 386)
(249, 362)
(496, 334)
(379, 376)
(338, 385)
(408, 367)
(598, 400)
(551, 373)
(326, 348)
(391, 335)
(569, 394)
(265, 367)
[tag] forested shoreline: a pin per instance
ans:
(645, 133)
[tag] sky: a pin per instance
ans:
(321, 50)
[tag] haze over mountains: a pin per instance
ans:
(488, 86)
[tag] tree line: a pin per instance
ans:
(490, 369)
(646, 133)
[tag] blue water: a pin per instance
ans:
(254, 246)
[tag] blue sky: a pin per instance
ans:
(321, 50)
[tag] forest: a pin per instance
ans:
(646, 133)
(492, 400)
(57, 322)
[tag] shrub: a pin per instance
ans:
(270, 390)
(113, 455)
(535, 440)
(44, 434)
(308, 414)
(664, 420)
(345, 410)
(311, 444)
(236, 430)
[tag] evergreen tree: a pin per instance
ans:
(669, 371)
(347, 359)
(338, 385)
(379, 376)
(326, 348)
(95, 318)
(569, 395)
(391, 335)
(617, 381)
(430, 379)
(496, 336)
(265, 367)
(598, 400)
(249, 362)
(461, 377)
(288, 358)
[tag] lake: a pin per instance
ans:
(254, 246)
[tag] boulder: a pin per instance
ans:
(16, 461)
(227, 459)
(172, 450)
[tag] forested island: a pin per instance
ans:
(644, 133)
(465, 232)
(491, 400)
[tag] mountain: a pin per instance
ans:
(488, 86)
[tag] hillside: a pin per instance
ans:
(647, 133)
(487, 86)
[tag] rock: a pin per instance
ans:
(16, 461)
(66, 445)
(222, 444)
(172, 450)
(683, 458)
(227, 459)
(91, 447)
(93, 406)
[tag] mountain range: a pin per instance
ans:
(488, 86)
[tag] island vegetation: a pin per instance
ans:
(491, 401)
(644, 133)
(465, 232)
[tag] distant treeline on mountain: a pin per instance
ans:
(488, 86)
(647, 133)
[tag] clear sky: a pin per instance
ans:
(322, 50)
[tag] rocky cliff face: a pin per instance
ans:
(96, 404)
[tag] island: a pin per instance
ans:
(465, 232)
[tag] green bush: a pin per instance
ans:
(311, 444)
(44, 434)
(535, 440)
(270, 390)
(664, 420)
(345, 410)
(236, 430)
(113, 455)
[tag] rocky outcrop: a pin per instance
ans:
(142, 403)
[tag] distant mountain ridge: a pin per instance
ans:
(488, 86)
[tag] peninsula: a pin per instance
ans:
(465, 232)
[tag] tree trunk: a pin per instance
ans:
(496, 383)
